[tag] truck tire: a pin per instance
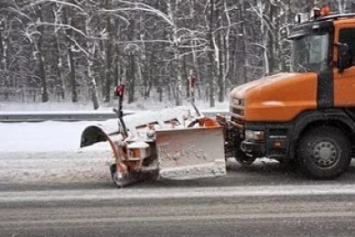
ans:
(242, 158)
(324, 153)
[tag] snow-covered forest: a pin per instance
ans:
(74, 50)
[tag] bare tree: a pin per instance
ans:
(36, 38)
(83, 48)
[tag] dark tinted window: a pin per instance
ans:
(348, 36)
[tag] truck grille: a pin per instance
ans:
(238, 121)
(237, 111)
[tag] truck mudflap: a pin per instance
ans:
(190, 153)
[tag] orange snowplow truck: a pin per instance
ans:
(305, 116)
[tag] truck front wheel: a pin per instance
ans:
(242, 158)
(324, 152)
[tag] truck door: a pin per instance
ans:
(344, 82)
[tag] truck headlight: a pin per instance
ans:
(254, 135)
(237, 102)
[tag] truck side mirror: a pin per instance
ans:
(344, 57)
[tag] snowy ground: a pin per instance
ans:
(142, 105)
(41, 136)
(48, 152)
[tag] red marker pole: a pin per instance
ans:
(119, 92)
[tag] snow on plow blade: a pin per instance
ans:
(170, 144)
(190, 153)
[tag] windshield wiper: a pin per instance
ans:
(303, 68)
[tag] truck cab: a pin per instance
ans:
(306, 115)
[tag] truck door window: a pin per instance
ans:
(347, 36)
(310, 53)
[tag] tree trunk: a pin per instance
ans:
(131, 51)
(72, 73)
(3, 46)
(71, 62)
(42, 74)
(221, 61)
(60, 81)
(226, 51)
(176, 48)
(132, 79)
(40, 57)
(93, 88)
(5, 74)
(211, 68)
(264, 34)
(144, 81)
(108, 66)
(91, 47)
(243, 55)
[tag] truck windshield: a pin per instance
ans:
(310, 53)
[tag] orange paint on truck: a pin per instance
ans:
(277, 98)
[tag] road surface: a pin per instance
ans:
(49, 188)
(266, 199)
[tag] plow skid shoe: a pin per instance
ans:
(190, 153)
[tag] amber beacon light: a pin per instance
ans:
(325, 10)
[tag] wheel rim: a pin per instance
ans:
(325, 154)
(117, 176)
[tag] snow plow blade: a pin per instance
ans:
(190, 153)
